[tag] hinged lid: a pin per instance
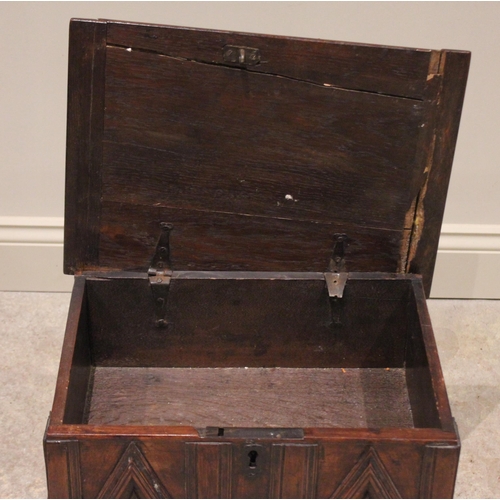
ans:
(258, 150)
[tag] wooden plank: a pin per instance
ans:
(435, 373)
(255, 323)
(251, 397)
(389, 100)
(448, 100)
(62, 460)
(389, 70)
(439, 470)
(208, 467)
(236, 242)
(87, 53)
(418, 375)
(294, 470)
(178, 434)
(69, 351)
(329, 153)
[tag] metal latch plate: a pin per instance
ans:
(160, 274)
(336, 284)
(253, 432)
(241, 56)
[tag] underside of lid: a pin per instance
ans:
(258, 166)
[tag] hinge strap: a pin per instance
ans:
(160, 274)
(335, 283)
(336, 277)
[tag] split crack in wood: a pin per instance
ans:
(327, 86)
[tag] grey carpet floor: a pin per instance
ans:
(32, 326)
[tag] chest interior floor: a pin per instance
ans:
(252, 353)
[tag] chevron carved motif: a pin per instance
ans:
(133, 477)
(367, 479)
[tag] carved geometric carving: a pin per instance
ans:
(133, 477)
(367, 479)
(294, 471)
(208, 470)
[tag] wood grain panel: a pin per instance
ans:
(227, 140)
(251, 397)
(389, 70)
(63, 469)
(259, 323)
(439, 466)
(208, 241)
(208, 470)
(318, 131)
(197, 137)
(294, 470)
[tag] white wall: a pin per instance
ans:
(33, 69)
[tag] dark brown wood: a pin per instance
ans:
(251, 397)
(80, 383)
(74, 349)
(105, 432)
(435, 373)
(266, 379)
(451, 77)
(87, 56)
(212, 241)
(216, 151)
(294, 470)
(133, 477)
(208, 468)
(368, 479)
(418, 376)
(371, 68)
(186, 139)
(304, 469)
(438, 457)
(256, 323)
(63, 469)
(218, 156)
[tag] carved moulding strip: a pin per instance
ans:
(74, 469)
(439, 466)
(208, 470)
(294, 471)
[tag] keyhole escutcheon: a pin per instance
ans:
(253, 459)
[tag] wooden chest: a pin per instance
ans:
(252, 222)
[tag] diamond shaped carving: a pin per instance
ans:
(133, 477)
(367, 479)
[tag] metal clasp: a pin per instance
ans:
(336, 278)
(160, 274)
(335, 282)
(241, 56)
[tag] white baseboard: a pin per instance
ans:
(31, 256)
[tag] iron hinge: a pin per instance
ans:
(160, 274)
(336, 277)
(335, 282)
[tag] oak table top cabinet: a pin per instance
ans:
(252, 222)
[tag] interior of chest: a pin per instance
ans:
(252, 352)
